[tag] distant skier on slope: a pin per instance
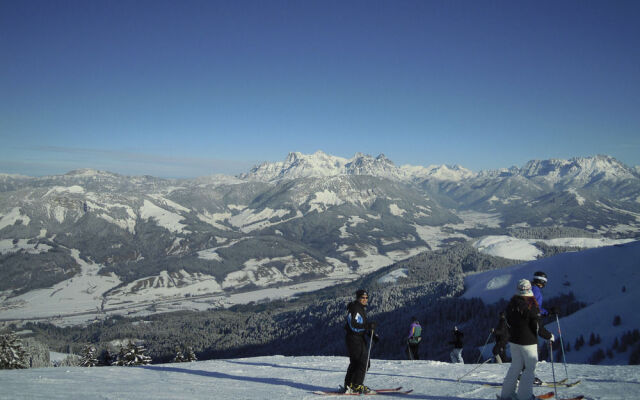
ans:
(501, 332)
(413, 341)
(356, 327)
(523, 317)
(456, 353)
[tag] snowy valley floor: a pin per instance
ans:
(278, 377)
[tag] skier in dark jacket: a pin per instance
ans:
(523, 317)
(456, 353)
(501, 332)
(356, 327)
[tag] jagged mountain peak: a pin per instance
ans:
(578, 169)
(298, 165)
(89, 172)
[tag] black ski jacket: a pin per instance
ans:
(523, 317)
(457, 339)
(357, 323)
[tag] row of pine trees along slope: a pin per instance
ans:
(13, 355)
(313, 330)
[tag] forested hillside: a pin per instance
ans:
(312, 324)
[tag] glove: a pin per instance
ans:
(375, 338)
(553, 338)
(553, 311)
(493, 330)
(372, 326)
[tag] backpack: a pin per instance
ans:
(417, 335)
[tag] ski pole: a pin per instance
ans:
(368, 357)
(564, 359)
(553, 371)
(485, 344)
(476, 367)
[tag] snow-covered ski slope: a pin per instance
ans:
(607, 279)
(278, 377)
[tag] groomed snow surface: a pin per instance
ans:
(278, 377)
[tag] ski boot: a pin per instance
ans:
(362, 389)
(346, 389)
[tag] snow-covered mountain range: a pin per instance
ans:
(133, 244)
(319, 164)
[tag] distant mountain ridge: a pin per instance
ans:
(579, 169)
(319, 164)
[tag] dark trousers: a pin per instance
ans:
(357, 349)
(413, 351)
(500, 350)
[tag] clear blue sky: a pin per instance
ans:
(191, 88)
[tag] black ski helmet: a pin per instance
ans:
(361, 292)
(540, 277)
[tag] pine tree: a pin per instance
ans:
(106, 358)
(634, 357)
(89, 358)
(596, 357)
(617, 320)
(132, 355)
(179, 357)
(579, 343)
(12, 353)
(191, 355)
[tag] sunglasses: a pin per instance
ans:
(364, 297)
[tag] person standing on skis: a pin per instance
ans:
(356, 327)
(538, 283)
(501, 332)
(456, 353)
(523, 317)
(413, 341)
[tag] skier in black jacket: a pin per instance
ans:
(502, 337)
(523, 317)
(456, 353)
(356, 327)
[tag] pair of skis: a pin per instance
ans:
(551, 394)
(548, 395)
(397, 390)
(562, 383)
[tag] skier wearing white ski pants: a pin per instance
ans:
(523, 317)
(522, 357)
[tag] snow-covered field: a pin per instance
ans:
(524, 249)
(278, 377)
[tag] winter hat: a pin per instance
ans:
(360, 293)
(524, 288)
(540, 276)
